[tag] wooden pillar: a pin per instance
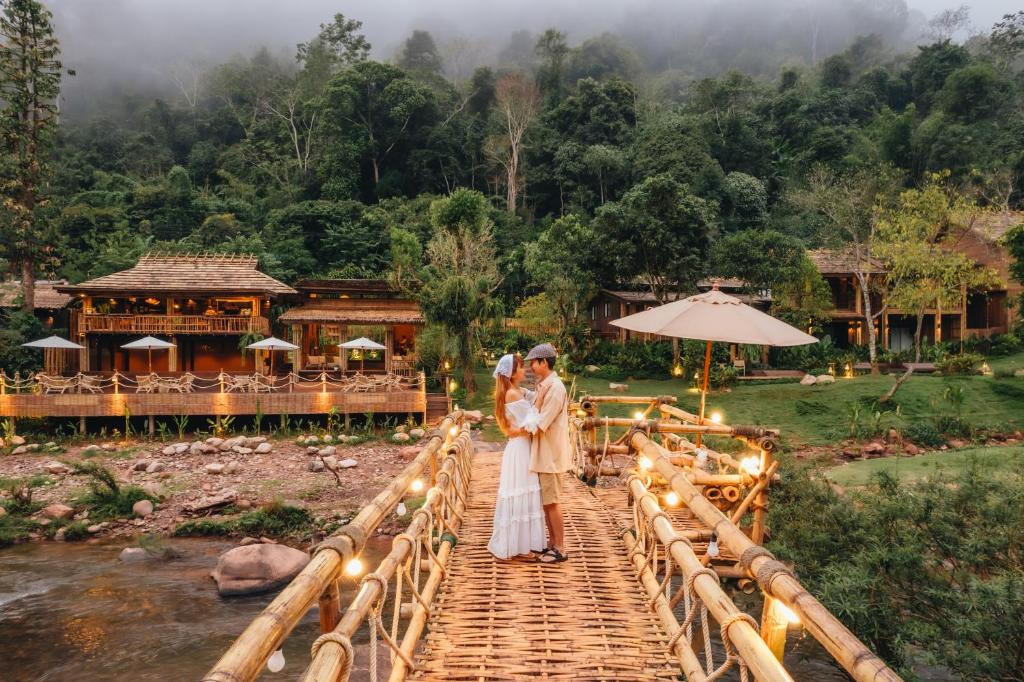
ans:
(884, 329)
(297, 340)
(81, 425)
(330, 607)
(172, 355)
(389, 342)
(774, 624)
(342, 352)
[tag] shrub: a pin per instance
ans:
(954, 427)
(76, 530)
(274, 519)
(924, 433)
(107, 498)
(962, 363)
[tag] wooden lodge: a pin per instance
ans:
(204, 304)
(50, 305)
(332, 311)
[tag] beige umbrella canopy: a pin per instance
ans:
(714, 316)
(270, 345)
(148, 343)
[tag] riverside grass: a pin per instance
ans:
(821, 415)
(949, 463)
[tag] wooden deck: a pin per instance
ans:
(306, 401)
(510, 620)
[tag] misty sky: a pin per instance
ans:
(111, 40)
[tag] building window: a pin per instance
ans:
(593, 312)
(606, 309)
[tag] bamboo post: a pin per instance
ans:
(81, 425)
(220, 379)
(749, 645)
(264, 635)
(704, 390)
(657, 426)
(152, 425)
(859, 661)
(114, 379)
(330, 607)
(17, 381)
(774, 626)
(757, 530)
(323, 381)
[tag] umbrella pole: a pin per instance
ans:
(704, 390)
(149, 353)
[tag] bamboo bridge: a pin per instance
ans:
(646, 595)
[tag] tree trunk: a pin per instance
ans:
(869, 320)
(466, 353)
(917, 336)
(376, 173)
(28, 285)
(512, 196)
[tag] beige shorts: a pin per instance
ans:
(550, 488)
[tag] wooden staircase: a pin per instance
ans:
(437, 407)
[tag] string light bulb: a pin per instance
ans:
(638, 415)
(751, 464)
(354, 567)
(645, 463)
(716, 417)
(416, 486)
(787, 613)
(275, 663)
(454, 431)
(672, 498)
(452, 385)
(713, 546)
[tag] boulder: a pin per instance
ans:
(911, 449)
(169, 451)
(327, 451)
(207, 503)
(209, 449)
(57, 511)
(198, 447)
(347, 463)
(91, 448)
(401, 428)
(59, 536)
(328, 438)
(344, 439)
(141, 465)
(316, 465)
(142, 508)
(214, 441)
(264, 448)
(231, 467)
(823, 379)
(311, 439)
(242, 450)
(17, 440)
(55, 467)
(95, 528)
(591, 369)
(312, 450)
(20, 450)
(401, 437)
(253, 441)
(417, 433)
(31, 447)
(243, 504)
(618, 388)
(154, 467)
(129, 554)
(214, 468)
(808, 380)
(231, 443)
(181, 448)
(331, 462)
(248, 541)
(473, 416)
(257, 568)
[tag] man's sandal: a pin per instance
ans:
(552, 556)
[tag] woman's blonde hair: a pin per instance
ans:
(502, 384)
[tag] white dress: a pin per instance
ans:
(518, 514)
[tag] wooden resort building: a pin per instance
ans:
(50, 304)
(204, 304)
(329, 312)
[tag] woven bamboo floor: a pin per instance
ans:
(584, 619)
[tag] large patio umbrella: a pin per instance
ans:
(714, 316)
(52, 343)
(362, 343)
(148, 344)
(272, 344)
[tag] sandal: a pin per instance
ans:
(552, 557)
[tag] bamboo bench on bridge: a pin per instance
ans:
(640, 599)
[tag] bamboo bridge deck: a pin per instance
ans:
(504, 620)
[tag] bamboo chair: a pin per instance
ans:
(238, 382)
(89, 383)
(50, 384)
(147, 383)
(261, 384)
(362, 383)
(182, 384)
(316, 361)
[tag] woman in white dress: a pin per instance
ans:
(518, 515)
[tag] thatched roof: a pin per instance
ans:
(839, 261)
(47, 296)
(994, 226)
(375, 287)
(161, 274)
(355, 311)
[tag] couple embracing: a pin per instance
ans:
(537, 454)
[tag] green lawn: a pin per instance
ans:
(907, 469)
(1010, 362)
(819, 415)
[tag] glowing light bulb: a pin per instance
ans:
(275, 663)
(752, 465)
(452, 385)
(702, 458)
(454, 431)
(401, 510)
(416, 486)
(447, 365)
(581, 413)
(645, 463)
(713, 546)
(787, 613)
(638, 415)
(672, 499)
(716, 417)
(677, 371)
(354, 567)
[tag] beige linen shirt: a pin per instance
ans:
(549, 449)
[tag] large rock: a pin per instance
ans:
(129, 554)
(257, 568)
(91, 448)
(231, 467)
(141, 465)
(347, 463)
(331, 462)
(316, 465)
(208, 503)
(17, 440)
(142, 508)
(825, 379)
(327, 451)
(230, 443)
(401, 437)
(58, 511)
(55, 467)
(618, 388)
(808, 380)
(264, 448)
(214, 441)
(214, 468)
(20, 450)
(169, 451)
(154, 467)
(473, 416)
(591, 369)
(911, 449)
(417, 433)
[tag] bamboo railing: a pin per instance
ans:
(318, 580)
(172, 324)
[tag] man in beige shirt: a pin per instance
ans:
(550, 454)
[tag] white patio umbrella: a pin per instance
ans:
(272, 344)
(52, 345)
(148, 344)
(714, 316)
(362, 343)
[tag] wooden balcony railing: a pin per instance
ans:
(172, 324)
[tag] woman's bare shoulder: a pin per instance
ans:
(513, 394)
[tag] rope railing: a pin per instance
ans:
(428, 540)
(249, 653)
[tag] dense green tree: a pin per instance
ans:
(552, 50)
(930, 68)
(601, 58)
(419, 55)
(763, 259)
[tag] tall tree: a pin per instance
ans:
(419, 55)
(851, 206)
(462, 272)
(29, 86)
(552, 49)
(518, 102)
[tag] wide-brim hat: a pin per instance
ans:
(540, 351)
